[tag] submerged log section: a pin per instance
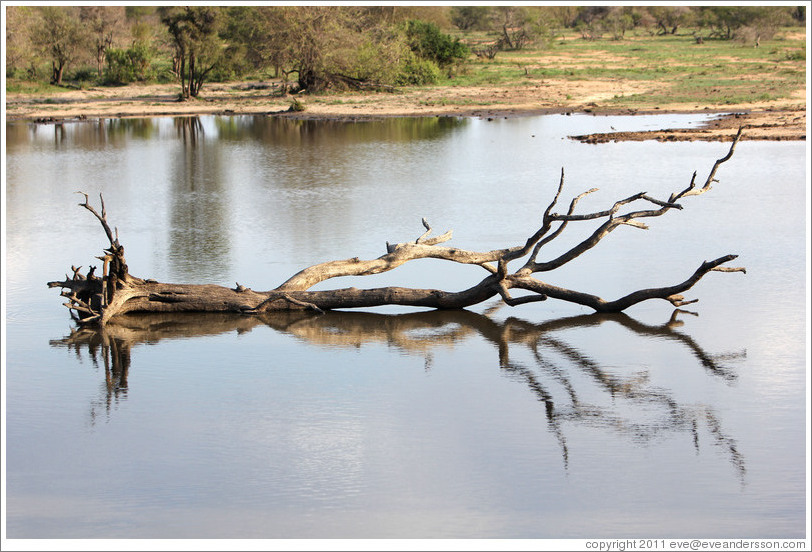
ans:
(95, 299)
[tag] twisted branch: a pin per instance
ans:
(117, 292)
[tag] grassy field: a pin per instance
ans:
(716, 71)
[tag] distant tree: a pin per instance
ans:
(60, 37)
(471, 18)
(19, 20)
(515, 24)
(298, 40)
(669, 18)
(253, 35)
(590, 14)
(144, 23)
(196, 43)
(721, 20)
(617, 21)
(102, 23)
(729, 22)
(546, 22)
(334, 46)
(563, 16)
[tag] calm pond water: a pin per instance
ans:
(540, 421)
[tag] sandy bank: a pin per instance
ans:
(783, 120)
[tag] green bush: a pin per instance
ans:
(427, 41)
(84, 75)
(416, 71)
(130, 65)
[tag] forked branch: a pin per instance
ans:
(117, 292)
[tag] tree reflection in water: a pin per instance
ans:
(553, 360)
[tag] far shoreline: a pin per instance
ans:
(776, 121)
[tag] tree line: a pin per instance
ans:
(313, 48)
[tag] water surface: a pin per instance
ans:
(541, 421)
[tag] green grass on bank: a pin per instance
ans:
(17, 86)
(723, 71)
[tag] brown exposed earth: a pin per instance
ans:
(774, 120)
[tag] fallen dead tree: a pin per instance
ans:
(94, 298)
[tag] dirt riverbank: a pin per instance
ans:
(776, 120)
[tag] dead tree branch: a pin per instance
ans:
(117, 292)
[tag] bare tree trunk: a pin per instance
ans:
(57, 70)
(97, 299)
(184, 86)
(192, 72)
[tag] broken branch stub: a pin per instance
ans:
(94, 299)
